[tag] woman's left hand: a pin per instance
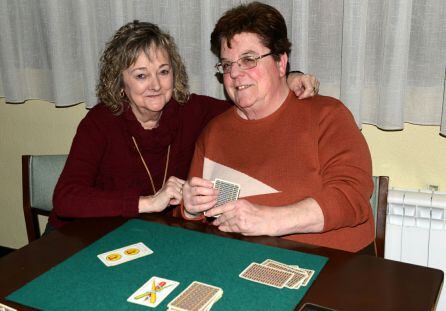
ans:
(303, 85)
(170, 194)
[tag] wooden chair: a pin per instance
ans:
(39, 177)
(378, 201)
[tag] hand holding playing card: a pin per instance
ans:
(244, 217)
(199, 195)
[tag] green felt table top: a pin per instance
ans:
(83, 282)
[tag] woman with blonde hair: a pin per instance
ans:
(132, 151)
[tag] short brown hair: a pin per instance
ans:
(257, 18)
(123, 50)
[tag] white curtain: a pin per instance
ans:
(385, 59)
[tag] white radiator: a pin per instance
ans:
(416, 230)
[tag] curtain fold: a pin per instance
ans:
(353, 56)
(386, 60)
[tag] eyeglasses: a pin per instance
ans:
(244, 63)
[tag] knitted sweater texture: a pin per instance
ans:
(104, 175)
(307, 148)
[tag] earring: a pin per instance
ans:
(122, 93)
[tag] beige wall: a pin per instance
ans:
(412, 158)
(36, 127)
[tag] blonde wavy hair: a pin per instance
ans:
(122, 51)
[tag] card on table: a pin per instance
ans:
(196, 297)
(227, 191)
(266, 275)
(307, 272)
(310, 274)
(6, 308)
(153, 292)
(124, 254)
(299, 275)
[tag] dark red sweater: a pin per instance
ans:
(104, 175)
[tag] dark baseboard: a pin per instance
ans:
(5, 250)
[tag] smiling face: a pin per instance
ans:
(258, 91)
(148, 84)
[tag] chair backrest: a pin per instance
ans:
(39, 177)
(378, 201)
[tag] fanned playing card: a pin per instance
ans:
(196, 297)
(266, 275)
(308, 271)
(299, 276)
(227, 191)
(124, 254)
(310, 274)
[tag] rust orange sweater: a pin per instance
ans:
(307, 148)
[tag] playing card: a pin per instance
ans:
(153, 292)
(124, 254)
(266, 275)
(227, 191)
(299, 275)
(6, 308)
(196, 297)
(310, 274)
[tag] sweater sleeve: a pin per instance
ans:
(346, 169)
(77, 193)
(196, 169)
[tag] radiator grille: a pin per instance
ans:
(416, 230)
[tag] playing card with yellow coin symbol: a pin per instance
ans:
(131, 251)
(124, 254)
(113, 257)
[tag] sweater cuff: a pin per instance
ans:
(130, 203)
(318, 197)
(183, 214)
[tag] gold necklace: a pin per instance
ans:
(147, 168)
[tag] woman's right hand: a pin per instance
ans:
(170, 194)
